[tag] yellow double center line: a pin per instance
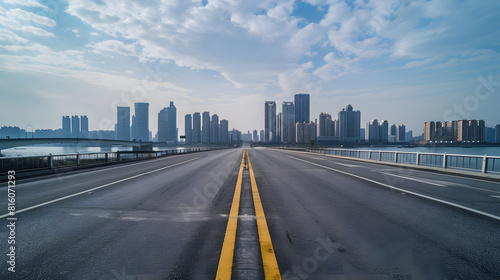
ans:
(271, 270)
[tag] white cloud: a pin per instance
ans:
(26, 3)
(26, 23)
(9, 36)
(113, 47)
(248, 43)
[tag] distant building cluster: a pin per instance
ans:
(464, 131)
(209, 130)
(293, 125)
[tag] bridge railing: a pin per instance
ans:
(35, 163)
(475, 163)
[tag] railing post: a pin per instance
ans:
(445, 164)
(418, 158)
(379, 155)
(396, 156)
(106, 157)
(77, 159)
(51, 162)
(370, 154)
(357, 154)
(118, 156)
(485, 164)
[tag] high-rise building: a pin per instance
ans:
(279, 123)
(299, 131)
(302, 105)
(123, 123)
(372, 131)
(163, 126)
(262, 136)
(384, 130)
(84, 129)
(401, 133)
(141, 124)
(349, 122)
(305, 132)
(66, 127)
(172, 124)
(75, 126)
(224, 131)
(214, 129)
(376, 131)
(188, 129)
(270, 122)
(235, 136)
(255, 137)
(196, 128)
(497, 133)
(205, 133)
(288, 125)
(326, 125)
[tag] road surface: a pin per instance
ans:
(328, 218)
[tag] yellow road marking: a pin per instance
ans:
(271, 270)
(226, 257)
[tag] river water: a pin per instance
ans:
(43, 150)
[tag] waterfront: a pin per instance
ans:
(43, 150)
(481, 151)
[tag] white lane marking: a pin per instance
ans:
(378, 162)
(413, 179)
(469, 187)
(347, 165)
(495, 196)
(405, 191)
(318, 158)
(96, 188)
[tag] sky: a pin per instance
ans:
(403, 61)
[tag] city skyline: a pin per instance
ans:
(406, 62)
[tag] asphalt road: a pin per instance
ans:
(328, 218)
(331, 218)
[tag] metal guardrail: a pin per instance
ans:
(484, 164)
(35, 163)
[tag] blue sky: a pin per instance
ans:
(404, 61)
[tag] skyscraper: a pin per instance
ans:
(349, 122)
(214, 129)
(288, 126)
(141, 125)
(376, 131)
(163, 126)
(196, 128)
(372, 131)
(205, 133)
(188, 129)
(66, 127)
(123, 123)
(401, 133)
(75, 126)
(279, 123)
(384, 130)
(270, 122)
(84, 129)
(224, 131)
(302, 107)
(172, 124)
(255, 137)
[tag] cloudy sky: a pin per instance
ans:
(404, 61)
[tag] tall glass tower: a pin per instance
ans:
(141, 122)
(302, 101)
